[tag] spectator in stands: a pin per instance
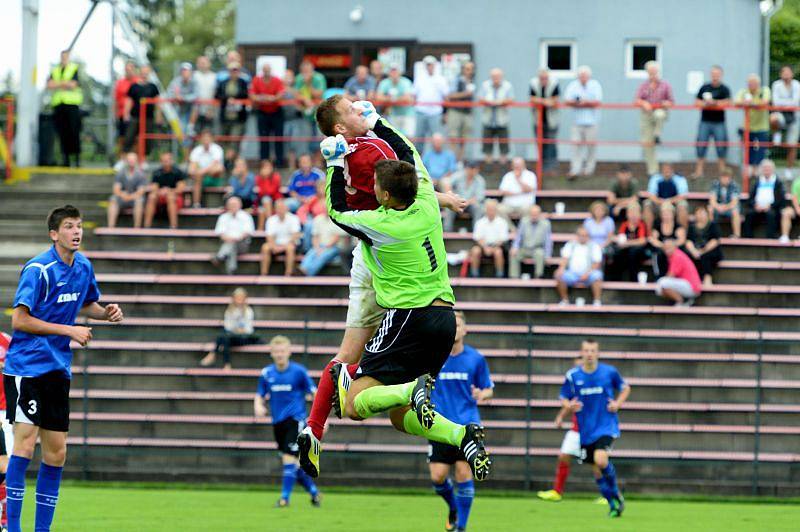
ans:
(667, 228)
(496, 95)
(238, 330)
(66, 98)
(491, 233)
(667, 187)
(470, 185)
(544, 91)
(121, 88)
(206, 166)
(654, 97)
(766, 201)
(649, 216)
(682, 215)
(724, 201)
(166, 190)
(325, 237)
(143, 88)
(430, 89)
(294, 123)
(460, 119)
(232, 110)
(786, 92)
(360, 86)
(303, 184)
(235, 229)
(533, 240)
(712, 121)
(702, 244)
(754, 98)
(266, 92)
(585, 95)
(624, 191)
(682, 282)
(205, 81)
(183, 90)
(630, 247)
(376, 70)
(242, 183)
(581, 264)
(791, 211)
(313, 208)
(600, 225)
(308, 88)
(396, 96)
(268, 189)
(283, 232)
(231, 58)
(439, 160)
(130, 187)
(518, 188)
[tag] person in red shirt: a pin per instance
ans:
(682, 283)
(629, 246)
(6, 433)
(266, 91)
(121, 88)
(268, 189)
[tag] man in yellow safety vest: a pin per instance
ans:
(66, 99)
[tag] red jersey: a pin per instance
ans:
(359, 170)
(269, 186)
(5, 342)
(271, 87)
(121, 89)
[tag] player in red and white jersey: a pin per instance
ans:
(6, 433)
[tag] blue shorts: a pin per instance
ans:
(571, 278)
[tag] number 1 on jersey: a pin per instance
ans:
(431, 254)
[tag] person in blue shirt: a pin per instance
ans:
(668, 187)
(440, 161)
(596, 392)
(463, 383)
(54, 287)
(303, 183)
(287, 386)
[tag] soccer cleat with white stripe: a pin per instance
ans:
(421, 401)
(475, 453)
(341, 377)
(310, 448)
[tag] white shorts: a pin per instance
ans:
(571, 444)
(363, 310)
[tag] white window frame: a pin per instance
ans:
(573, 56)
(639, 74)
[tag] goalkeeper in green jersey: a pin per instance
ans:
(404, 249)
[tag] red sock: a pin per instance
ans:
(4, 518)
(321, 407)
(562, 472)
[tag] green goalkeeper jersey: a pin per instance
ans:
(404, 249)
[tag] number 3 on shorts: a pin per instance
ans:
(32, 408)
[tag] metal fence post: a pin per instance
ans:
(757, 434)
(528, 398)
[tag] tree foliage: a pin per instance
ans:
(784, 41)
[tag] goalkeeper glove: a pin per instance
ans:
(333, 150)
(368, 111)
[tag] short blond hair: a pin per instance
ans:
(280, 340)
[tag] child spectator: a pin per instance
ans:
(629, 248)
(238, 329)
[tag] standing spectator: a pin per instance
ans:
(600, 225)
(130, 187)
(791, 211)
(459, 119)
(166, 190)
(325, 237)
(682, 282)
(533, 240)
(231, 58)
(234, 228)
(308, 87)
(654, 97)
(206, 165)
(439, 160)
(376, 70)
(430, 90)
(630, 247)
(283, 231)
(754, 98)
(266, 92)
(786, 92)
(667, 228)
(242, 183)
(294, 123)
(205, 81)
(121, 88)
(585, 95)
(766, 201)
(712, 121)
(232, 110)
(702, 243)
(518, 188)
(491, 233)
(238, 329)
(66, 99)
(396, 97)
(470, 185)
(667, 187)
(581, 263)
(624, 191)
(544, 92)
(360, 86)
(143, 88)
(268, 190)
(724, 201)
(183, 90)
(496, 94)
(303, 184)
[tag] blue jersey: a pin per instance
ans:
(452, 394)
(286, 390)
(53, 292)
(594, 390)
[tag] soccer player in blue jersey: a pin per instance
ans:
(54, 287)
(596, 392)
(463, 383)
(286, 385)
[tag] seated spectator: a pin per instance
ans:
(624, 191)
(206, 166)
(702, 244)
(470, 185)
(268, 189)
(361, 86)
(237, 329)
(724, 201)
(495, 95)
(234, 228)
(630, 246)
(303, 184)
(518, 188)
(786, 93)
(166, 190)
(439, 160)
(325, 237)
(667, 187)
(754, 98)
(130, 187)
(490, 235)
(766, 201)
(682, 282)
(242, 183)
(283, 232)
(232, 110)
(649, 217)
(682, 216)
(667, 228)
(534, 240)
(599, 225)
(315, 206)
(790, 212)
(581, 263)
(396, 95)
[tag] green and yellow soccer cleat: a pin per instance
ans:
(342, 379)
(421, 401)
(549, 495)
(309, 447)
(475, 452)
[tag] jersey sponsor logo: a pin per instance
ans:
(61, 283)
(281, 388)
(68, 298)
(453, 376)
(592, 391)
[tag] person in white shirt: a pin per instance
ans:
(496, 94)
(518, 188)
(207, 160)
(490, 234)
(581, 263)
(283, 232)
(786, 92)
(765, 202)
(234, 228)
(430, 89)
(205, 81)
(584, 95)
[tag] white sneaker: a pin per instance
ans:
(563, 303)
(597, 303)
(783, 239)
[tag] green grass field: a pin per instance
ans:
(120, 509)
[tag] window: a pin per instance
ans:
(559, 56)
(637, 54)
